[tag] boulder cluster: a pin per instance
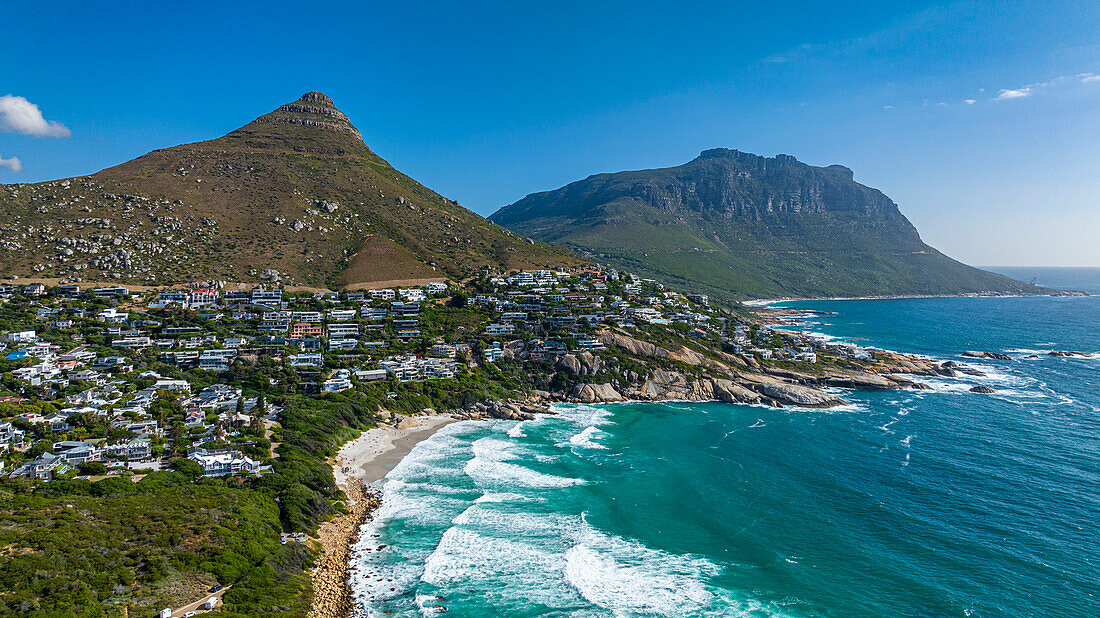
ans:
(331, 593)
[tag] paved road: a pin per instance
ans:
(194, 607)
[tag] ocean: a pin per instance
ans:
(903, 503)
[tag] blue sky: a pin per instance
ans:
(982, 120)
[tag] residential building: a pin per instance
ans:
(223, 462)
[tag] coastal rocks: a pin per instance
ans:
(989, 355)
(862, 380)
(893, 362)
(729, 392)
(407, 423)
(532, 409)
(787, 393)
(499, 409)
(799, 395)
(331, 592)
(583, 364)
(663, 384)
(1065, 353)
(985, 390)
(963, 369)
(596, 393)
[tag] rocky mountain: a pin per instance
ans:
(740, 225)
(294, 195)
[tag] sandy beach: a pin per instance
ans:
(373, 454)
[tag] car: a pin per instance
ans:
(189, 614)
(216, 588)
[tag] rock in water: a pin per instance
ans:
(990, 355)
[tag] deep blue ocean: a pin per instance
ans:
(904, 503)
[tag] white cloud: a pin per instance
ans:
(1013, 94)
(13, 164)
(888, 107)
(1057, 82)
(970, 101)
(18, 115)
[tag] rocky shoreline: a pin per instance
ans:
(331, 591)
(734, 379)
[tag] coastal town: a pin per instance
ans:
(106, 390)
(105, 380)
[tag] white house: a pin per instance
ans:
(222, 462)
(23, 336)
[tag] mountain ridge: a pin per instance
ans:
(293, 196)
(741, 225)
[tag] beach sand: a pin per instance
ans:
(373, 454)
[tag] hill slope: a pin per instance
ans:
(737, 224)
(295, 191)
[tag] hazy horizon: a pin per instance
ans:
(979, 120)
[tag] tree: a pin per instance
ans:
(192, 469)
(92, 468)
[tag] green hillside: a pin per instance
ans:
(743, 226)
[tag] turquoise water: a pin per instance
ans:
(904, 503)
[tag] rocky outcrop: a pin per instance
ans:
(504, 410)
(982, 389)
(729, 392)
(515, 349)
(893, 362)
(792, 394)
(1066, 353)
(630, 345)
(645, 349)
(596, 393)
(331, 592)
(799, 395)
(989, 355)
(842, 379)
(407, 423)
(583, 364)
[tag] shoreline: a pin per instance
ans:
(767, 302)
(370, 457)
(359, 464)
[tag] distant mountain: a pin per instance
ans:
(740, 225)
(295, 191)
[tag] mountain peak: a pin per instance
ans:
(312, 109)
(319, 98)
